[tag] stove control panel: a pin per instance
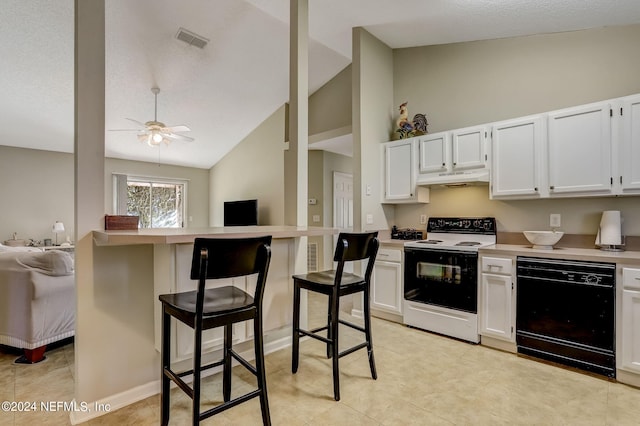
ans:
(469, 225)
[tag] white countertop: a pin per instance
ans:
(590, 254)
(187, 235)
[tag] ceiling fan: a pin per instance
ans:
(154, 132)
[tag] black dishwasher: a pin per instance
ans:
(566, 312)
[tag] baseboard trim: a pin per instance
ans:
(115, 402)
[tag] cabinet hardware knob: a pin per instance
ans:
(535, 189)
(443, 164)
(551, 187)
(455, 164)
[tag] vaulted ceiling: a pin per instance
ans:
(225, 90)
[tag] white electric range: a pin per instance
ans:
(441, 276)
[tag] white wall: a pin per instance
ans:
(253, 169)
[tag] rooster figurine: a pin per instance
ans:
(408, 128)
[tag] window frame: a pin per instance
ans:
(121, 182)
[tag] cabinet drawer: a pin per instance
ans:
(497, 265)
(631, 278)
(389, 255)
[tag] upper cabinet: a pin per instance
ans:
(580, 150)
(517, 158)
(400, 170)
(588, 150)
(434, 153)
(453, 157)
(469, 148)
(629, 115)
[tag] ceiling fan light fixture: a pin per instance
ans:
(156, 137)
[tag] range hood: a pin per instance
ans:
(459, 178)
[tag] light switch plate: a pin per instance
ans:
(316, 218)
(555, 220)
(369, 218)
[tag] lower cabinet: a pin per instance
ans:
(497, 299)
(629, 358)
(387, 284)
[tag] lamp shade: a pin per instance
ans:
(58, 227)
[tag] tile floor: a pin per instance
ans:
(423, 379)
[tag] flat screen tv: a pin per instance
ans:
(241, 213)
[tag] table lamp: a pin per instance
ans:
(58, 227)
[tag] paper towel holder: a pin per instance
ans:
(612, 238)
(610, 247)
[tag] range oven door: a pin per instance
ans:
(442, 277)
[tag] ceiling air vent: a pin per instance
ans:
(192, 39)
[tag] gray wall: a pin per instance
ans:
(464, 84)
(37, 189)
(253, 169)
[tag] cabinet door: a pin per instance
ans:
(515, 147)
(386, 288)
(399, 179)
(630, 147)
(630, 357)
(469, 148)
(580, 150)
(434, 152)
(496, 311)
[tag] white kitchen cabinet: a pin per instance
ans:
(629, 115)
(497, 298)
(400, 172)
(630, 324)
(387, 283)
(469, 148)
(517, 148)
(579, 150)
(447, 156)
(435, 153)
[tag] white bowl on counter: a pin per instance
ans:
(543, 239)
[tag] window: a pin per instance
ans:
(160, 203)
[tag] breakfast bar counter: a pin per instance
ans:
(118, 291)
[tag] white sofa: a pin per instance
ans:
(37, 299)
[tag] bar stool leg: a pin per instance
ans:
(335, 305)
(295, 344)
(367, 331)
(329, 326)
(166, 362)
(260, 368)
(226, 372)
(197, 361)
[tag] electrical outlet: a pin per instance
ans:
(555, 220)
(369, 219)
(316, 218)
(423, 219)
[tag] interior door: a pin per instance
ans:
(342, 205)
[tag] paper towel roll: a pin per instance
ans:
(610, 228)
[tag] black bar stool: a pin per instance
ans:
(337, 283)
(223, 306)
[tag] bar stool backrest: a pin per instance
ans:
(356, 246)
(231, 257)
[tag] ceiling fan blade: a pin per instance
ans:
(137, 122)
(124, 130)
(176, 137)
(174, 129)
